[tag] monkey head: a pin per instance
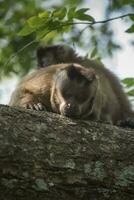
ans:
(55, 54)
(73, 91)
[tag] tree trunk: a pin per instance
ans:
(44, 156)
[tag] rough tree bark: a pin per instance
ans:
(44, 156)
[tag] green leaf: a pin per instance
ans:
(64, 29)
(37, 22)
(52, 25)
(83, 10)
(80, 14)
(128, 82)
(131, 15)
(34, 22)
(84, 17)
(131, 29)
(26, 30)
(44, 14)
(41, 33)
(93, 53)
(98, 60)
(131, 92)
(50, 36)
(71, 13)
(60, 13)
(47, 28)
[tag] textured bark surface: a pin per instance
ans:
(44, 156)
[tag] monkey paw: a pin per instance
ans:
(35, 106)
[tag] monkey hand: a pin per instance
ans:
(35, 106)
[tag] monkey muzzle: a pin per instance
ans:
(70, 110)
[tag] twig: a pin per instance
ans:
(99, 22)
(13, 55)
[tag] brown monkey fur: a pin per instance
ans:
(109, 84)
(71, 90)
(67, 89)
(85, 90)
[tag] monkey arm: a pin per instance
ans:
(27, 99)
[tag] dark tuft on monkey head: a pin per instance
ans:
(74, 73)
(55, 54)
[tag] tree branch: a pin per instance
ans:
(47, 156)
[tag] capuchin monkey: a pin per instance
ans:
(68, 89)
(109, 86)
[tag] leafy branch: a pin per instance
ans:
(59, 19)
(129, 83)
(100, 22)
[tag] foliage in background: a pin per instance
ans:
(129, 83)
(51, 23)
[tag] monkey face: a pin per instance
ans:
(73, 91)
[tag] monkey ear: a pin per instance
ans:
(75, 73)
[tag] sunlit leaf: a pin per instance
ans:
(41, 33)
(93, 53)
(131, 29)
(98, 60)
(71, 13)
(50, 35)
(64, 29)
(44, 14)
(35, 21)
(131, 92)
(60, 13)
(47, 28)
(26, 30)
(131, 15)
(128, 82)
